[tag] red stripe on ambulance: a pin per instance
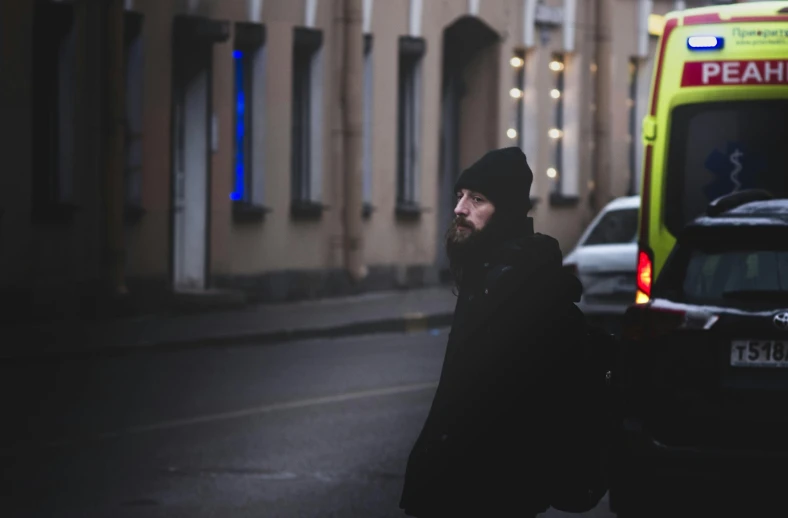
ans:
(731, 73)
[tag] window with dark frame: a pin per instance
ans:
(133, 57)
(517, 93)
(301, 119)
(411, 52)
(555, 172)
(368, 99)
(243, 70)
(54, 90)
(248, 48)
(632, 107)
(242, 145)
(592, 143)
(615, 227)
(306, 45)
(713, 143)
(707, 273)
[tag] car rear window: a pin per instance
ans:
(718, 148)
(615, 227)
(735, 275)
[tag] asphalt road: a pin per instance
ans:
(317, 428)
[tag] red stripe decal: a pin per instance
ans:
(669, 26)
(735, 73)
(707, 19)
(702, 19)
(645, 200)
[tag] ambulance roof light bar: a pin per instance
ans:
(705, 43)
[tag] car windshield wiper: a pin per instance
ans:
(757, 295)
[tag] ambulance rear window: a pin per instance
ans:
(717, 148)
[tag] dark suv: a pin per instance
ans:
(705, 378)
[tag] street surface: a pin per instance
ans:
(319, 428)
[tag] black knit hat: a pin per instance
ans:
(503, 176)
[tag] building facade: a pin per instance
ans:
(233, 122)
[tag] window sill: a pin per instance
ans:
(409, 211)
(55, 213)
(366, 210)
(306, 210)
(133, 213)
(560, 200)
(245, 212)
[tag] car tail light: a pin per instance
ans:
(645, 321)
(644, 276)
(642, 321)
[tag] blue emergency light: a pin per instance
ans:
(705, 42)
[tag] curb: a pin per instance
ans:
(408, 323)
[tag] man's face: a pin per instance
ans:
(471, 214)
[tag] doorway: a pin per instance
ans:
(469, 108)
(191, 115)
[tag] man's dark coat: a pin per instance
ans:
(485, 447)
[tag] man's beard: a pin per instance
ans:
(461, 240)
(465, 244)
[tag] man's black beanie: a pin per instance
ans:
(503, 176)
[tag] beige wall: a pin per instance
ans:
(479, 107)
(147, 245)
(280, 243)
(625, 46)
(389, 21)
(564, 223)
(17, 250)
(44, 256)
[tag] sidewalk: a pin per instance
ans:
(393, 311)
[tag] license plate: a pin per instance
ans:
(759, 353)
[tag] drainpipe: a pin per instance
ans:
(114, 155)
(603, 59)
(351, 102)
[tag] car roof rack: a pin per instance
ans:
(735, 199)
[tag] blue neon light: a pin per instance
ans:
(705, 43)
(240, 128)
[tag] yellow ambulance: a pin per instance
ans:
(717, 119)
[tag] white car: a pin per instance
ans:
(605, 261)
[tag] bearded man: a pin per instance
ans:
(485, 448)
